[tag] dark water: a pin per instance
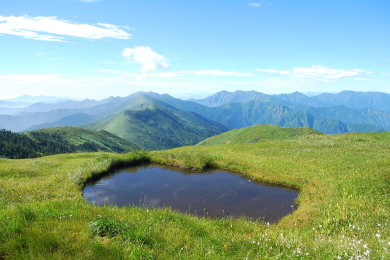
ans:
(212, 193)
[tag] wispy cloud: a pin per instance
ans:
(223, 73)
(319, 73)
(54, 29)
(183, 73)
(149, 59)
(27, 78)
(254, 4)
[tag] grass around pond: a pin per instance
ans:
(343, 212)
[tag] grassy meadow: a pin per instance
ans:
(343, 213)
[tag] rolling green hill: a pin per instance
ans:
(155, 125)
(60, 140)
(258, 133)
(343, 204)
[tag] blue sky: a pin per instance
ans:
(95, 49)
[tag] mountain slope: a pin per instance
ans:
(243, 114)
(350, 116)
(293, 109)
(238, 115)
(258, 133)
(225, 97)
(60, 140)
(155, 125)
(355, 100)
(72, 120)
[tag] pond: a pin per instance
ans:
(210, 193)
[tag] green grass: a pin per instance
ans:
(343, 208)
(258, 133)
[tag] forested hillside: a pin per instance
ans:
(60, 140)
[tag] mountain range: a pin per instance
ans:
(160, 121)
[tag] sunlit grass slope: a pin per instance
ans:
(258, 133)
(343, 211)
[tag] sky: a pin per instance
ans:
(100, 48)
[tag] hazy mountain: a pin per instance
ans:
(237, 115)
(75, 110)
(351, 116)
(69, 104)
(356, 100)
(281, 110)
(72, 120)
(154, 124)
(12, 104)
(224, 97)
(60, 140)
(35, 99)
(25, 121)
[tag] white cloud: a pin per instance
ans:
(149, 59)
(318, 72)
(53, 29)
(272, 71)
(254, 4)
(222, 73)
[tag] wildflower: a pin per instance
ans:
(320, 226)
(378, 235)
(365, 246)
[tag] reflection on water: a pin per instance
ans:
(212, 193)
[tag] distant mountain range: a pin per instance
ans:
(155, 121)
(355, 100)
(36, 99)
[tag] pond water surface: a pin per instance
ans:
(210, 193)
